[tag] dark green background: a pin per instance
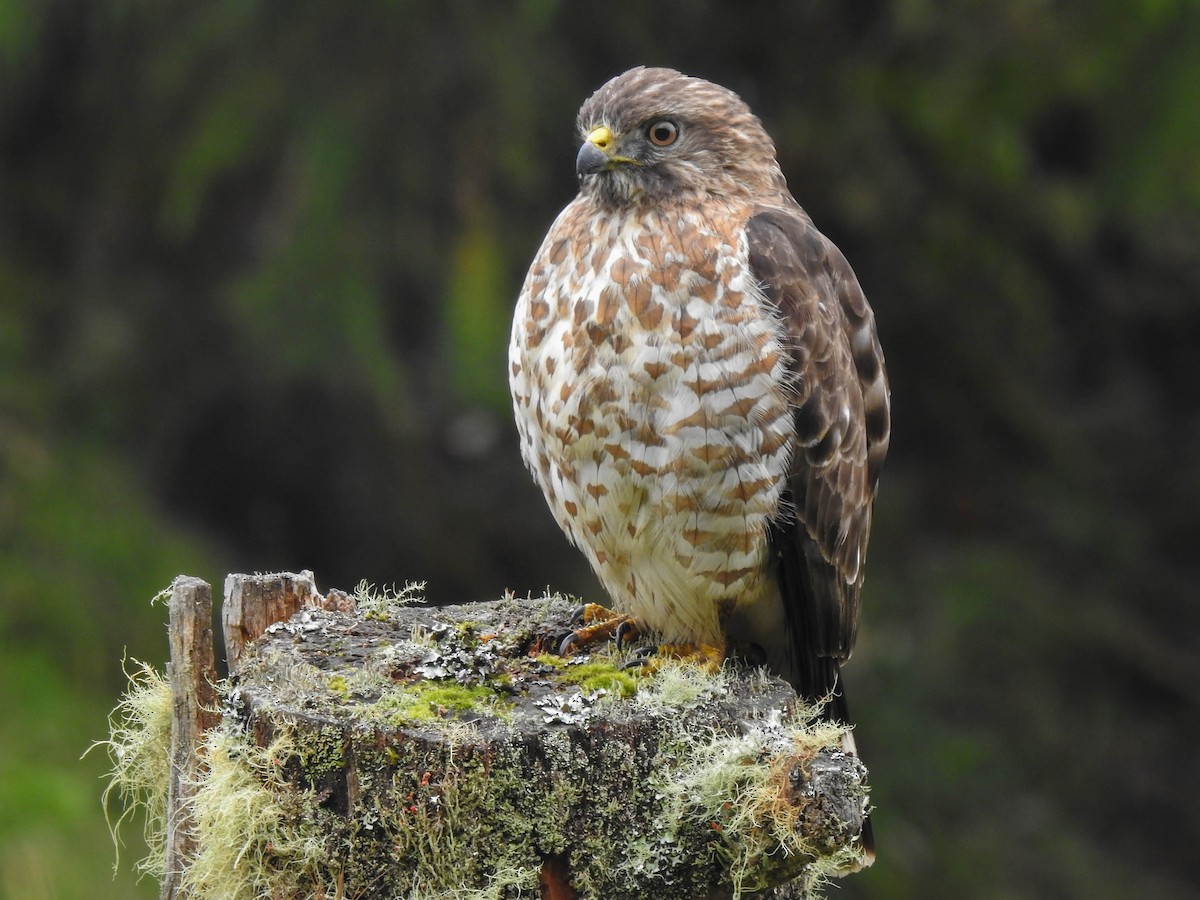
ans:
(257, 264)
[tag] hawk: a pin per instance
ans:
(698, 384)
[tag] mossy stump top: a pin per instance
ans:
(382, 749)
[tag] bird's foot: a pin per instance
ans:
(599, 623)
(707, 656)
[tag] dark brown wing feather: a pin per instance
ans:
(842, 420)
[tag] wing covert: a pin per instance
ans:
(842, 422)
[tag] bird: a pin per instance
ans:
(699, 388)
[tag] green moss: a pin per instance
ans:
(337, 684)
(607, 676)
(455, 831)
(427, 701)
(467, 629)
(322, 752)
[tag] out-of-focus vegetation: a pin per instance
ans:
(257, 262)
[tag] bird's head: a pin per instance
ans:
(654, 136)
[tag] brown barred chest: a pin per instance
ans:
(650, 387)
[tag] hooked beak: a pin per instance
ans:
(591, 159)
(598, 153)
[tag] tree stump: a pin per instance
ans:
(372, 748)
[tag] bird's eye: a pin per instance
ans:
(662, 133)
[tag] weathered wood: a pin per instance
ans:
(253, 603)
(406, 752)
(453, 735)
(196, 709)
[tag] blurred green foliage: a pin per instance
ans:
(256, 267)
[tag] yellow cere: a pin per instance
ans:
(601, 137)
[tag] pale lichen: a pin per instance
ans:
(355, 760)
(256, 832)
(382, 603)
(139, 747)
(739, 786)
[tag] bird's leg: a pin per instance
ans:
(708, 657)
(599, 623)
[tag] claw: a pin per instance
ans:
(596, 623)
(568, 643)
(705, 656)
(642, 658)
(627, 631)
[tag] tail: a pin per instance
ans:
(836, 710)
(819, 613)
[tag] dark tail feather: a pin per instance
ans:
(837, 710)
(868, 840)
(820, 614)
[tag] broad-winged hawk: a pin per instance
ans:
(698, 385)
